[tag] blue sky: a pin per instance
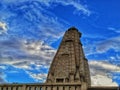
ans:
(31, 31)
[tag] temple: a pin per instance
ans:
(69, 64)
(69, 69)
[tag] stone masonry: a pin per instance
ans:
(69, 64)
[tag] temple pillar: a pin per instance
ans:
(83, 86)
(27, 88)
(32, 88)
(54, 87)
(60, 88)
(14, 88)
(44, 88)
(19, 88)
(49, 88)
(9, 88)
(72, 88)
(23, 87)
(78, 88)
(37, 88)
(4, 88)
(66, 88)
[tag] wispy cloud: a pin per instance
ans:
(103, 65)
(41, 77)
(114, 29)
(77, 5)
(32, 18)
(112, 43)
(103, 46)
(37, 21)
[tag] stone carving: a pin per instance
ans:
(69, 64)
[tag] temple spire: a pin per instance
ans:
(69, 64)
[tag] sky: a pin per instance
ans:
(31, 31)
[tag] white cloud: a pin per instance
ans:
(38, 77)
(2, 67)
(3, 27)
(36, 53)
(17, 63)
(112, 43)
(100, 80)
(33, 52)
(103, 46)
(101, 73)
(39, 48)
(106, 66)
(114, 29)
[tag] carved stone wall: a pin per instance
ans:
(69, 64)
(39, 86)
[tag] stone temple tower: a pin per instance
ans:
(69, 65)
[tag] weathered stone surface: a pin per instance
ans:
(69, 64)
